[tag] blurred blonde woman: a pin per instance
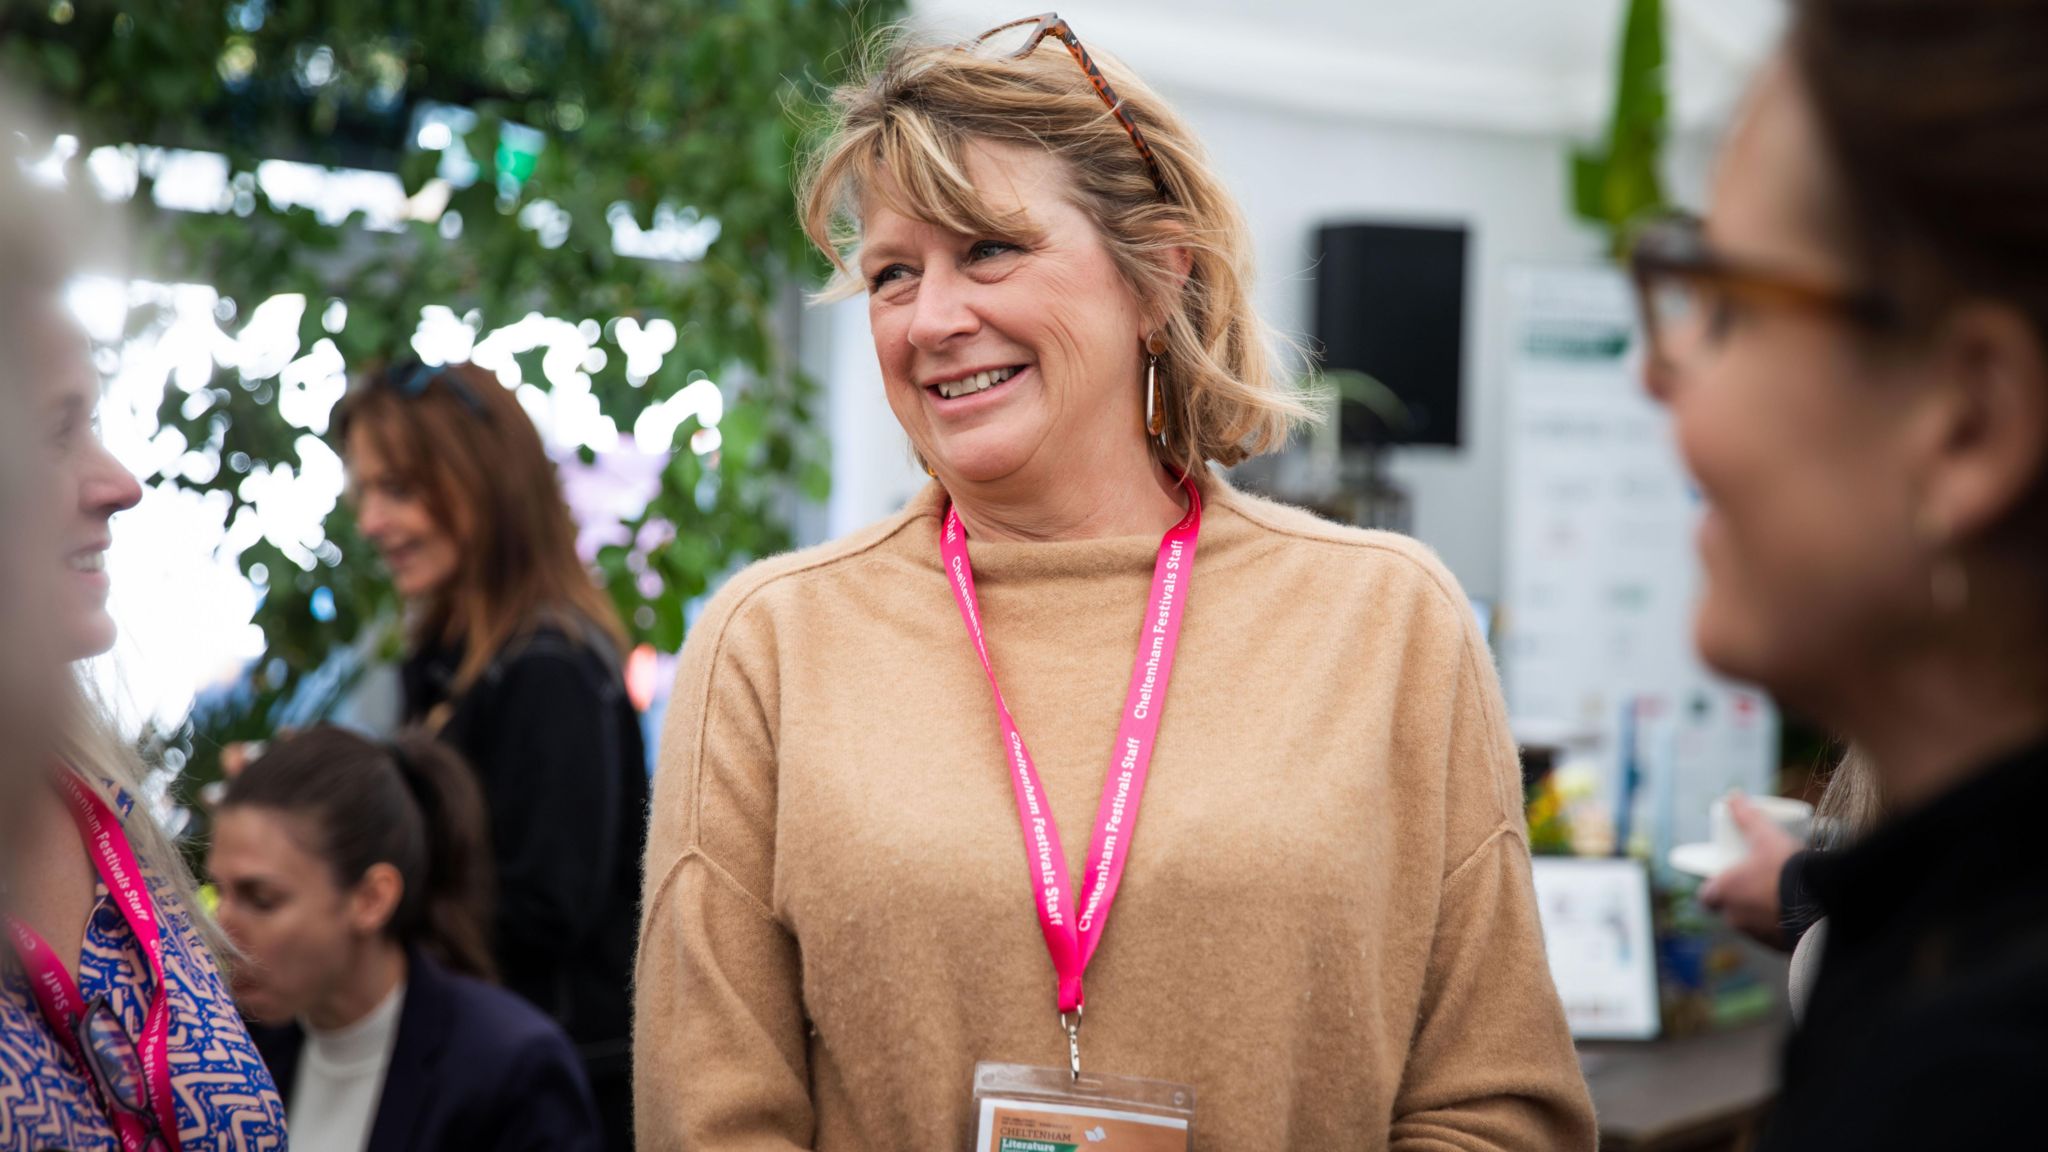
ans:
(1318, 920)
(28, 659)
(116, 1030)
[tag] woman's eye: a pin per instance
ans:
(64, 430)
(887, 276)
(985, 249)
(1719, 312)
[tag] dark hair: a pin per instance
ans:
(459, 436)
(1935, 117)
(410, 803)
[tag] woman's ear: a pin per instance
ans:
(375, 898)
(1988, 419)
(1179, 262)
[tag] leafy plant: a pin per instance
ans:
(1616, 185)
(562, 118)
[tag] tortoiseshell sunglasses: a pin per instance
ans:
(1020, 38)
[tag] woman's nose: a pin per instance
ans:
(941, 311)
(1660, 377)
(109, 486)
(370, 516)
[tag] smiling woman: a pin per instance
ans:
(116, 1029)
(514, 660)
(1327, 934)
(1854, 349)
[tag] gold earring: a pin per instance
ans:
(1155, 416)
(1155, 396)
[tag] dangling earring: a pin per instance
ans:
(1950, 582)
(1155, 398)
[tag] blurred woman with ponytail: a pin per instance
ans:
(355, 878)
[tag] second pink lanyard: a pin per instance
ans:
(1073, 927)
(58, 995)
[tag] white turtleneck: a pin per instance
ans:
(340, 1078)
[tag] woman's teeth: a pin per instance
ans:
(89, 562)
(979, 382)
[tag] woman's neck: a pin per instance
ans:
(366, 985)
(1933, 719)
(1142, 499)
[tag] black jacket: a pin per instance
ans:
(1928, 1025)
(556, 744)
(473, 1068)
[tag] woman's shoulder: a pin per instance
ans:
(1336, 555)
(224, 1084)
(496, 1026)
(552, 645)
(759, 586)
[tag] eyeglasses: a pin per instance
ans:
(1020, 38)
(1684, 289)
(116, 1067)
(411, 381)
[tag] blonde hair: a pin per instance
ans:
(93, 749)
(902, 134)
(45, 237)
(1851, 805)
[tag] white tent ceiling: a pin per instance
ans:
(1542, 66)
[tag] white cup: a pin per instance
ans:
(1794, 816)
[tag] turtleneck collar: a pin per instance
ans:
(997, 561)
(359, 1045)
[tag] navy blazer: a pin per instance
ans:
(473, 1067)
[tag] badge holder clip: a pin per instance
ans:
(1020, 1108)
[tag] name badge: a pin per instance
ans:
(1026, 1109)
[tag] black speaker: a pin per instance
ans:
(1390, 302)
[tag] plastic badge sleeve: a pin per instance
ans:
(1026, 1109)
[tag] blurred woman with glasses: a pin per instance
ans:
(515, 659)
(355, 878)
(1854, 347)
(1326, 932)
(116, 1030)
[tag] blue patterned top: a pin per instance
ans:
(226, 1101)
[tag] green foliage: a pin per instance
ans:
(1617, 185)
(688, 102)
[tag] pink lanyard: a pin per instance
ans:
(1073, 931)
(58, 996)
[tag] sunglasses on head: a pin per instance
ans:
(1020, 38)
(412, 379)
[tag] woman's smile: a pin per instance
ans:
(968, 393)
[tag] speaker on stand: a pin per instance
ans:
(1390, 334)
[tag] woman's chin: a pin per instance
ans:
(91, 634)
(982, 468)
(982, 456)
(1730, 644)
(261, 1008)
